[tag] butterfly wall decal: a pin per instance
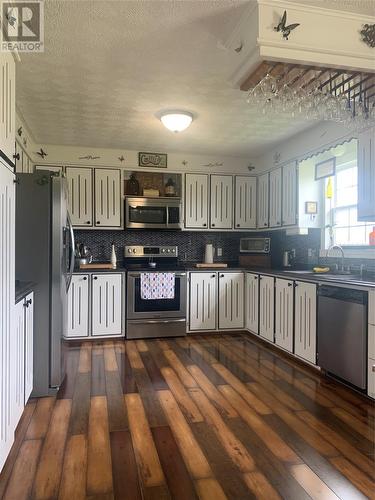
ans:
(286, 30)
(42, 153)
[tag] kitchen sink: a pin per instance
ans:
(338, 276)
(330, 276)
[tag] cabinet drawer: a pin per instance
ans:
(371, 341)
(371, 378)
(371, 307)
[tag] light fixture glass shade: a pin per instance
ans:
(176, 121)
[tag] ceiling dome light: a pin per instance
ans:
(176, 121)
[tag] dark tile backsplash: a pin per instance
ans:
(191, 244)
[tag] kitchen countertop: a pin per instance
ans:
(302, 275)
(22, 289)
(119, 269)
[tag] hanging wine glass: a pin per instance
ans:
(268, 85)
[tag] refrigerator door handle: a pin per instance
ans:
(72, 253)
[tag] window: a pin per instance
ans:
(342, 226)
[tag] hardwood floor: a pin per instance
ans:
(209, 417)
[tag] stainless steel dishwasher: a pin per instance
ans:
(342, 333)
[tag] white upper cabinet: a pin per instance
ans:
(202, 301)
(7, 107)
(366, 176)
(284, 314)
(252, 302)
(106, 304)
(221, 215)
(78, 307)
(266, 307)
(107, 197)
(305, 321)
(196, 201)
(263, 201)
(80, 189)
(290, 195)
(245, 202)
(275, 198)
(231, 300)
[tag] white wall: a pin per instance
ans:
(303, 145)
(180, 162)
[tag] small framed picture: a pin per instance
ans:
(311, 207)
(325, 168)
(156, 160)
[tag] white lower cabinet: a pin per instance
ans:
(202, 298)
(18, 362)
(371, 378)
(252, 302)
(371, 345)
(231, 300)
(266, 307)
(284, 314)
(17, 384)
(95, 305)
(106, 304)
(305, 321)
(78, 306)
(29, 346)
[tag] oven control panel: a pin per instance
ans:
(150, 251)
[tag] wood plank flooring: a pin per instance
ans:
(209, 416)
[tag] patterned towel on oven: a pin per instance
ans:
(157, 286)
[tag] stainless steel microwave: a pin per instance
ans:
(255, 245)
(153, 213)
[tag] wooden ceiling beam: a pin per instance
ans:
(258, 74)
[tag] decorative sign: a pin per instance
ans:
(311, 207)
(325, 168)
(157, 160)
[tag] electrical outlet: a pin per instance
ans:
(219, 252)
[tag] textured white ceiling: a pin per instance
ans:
(109, 66)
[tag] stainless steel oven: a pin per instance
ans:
(155, 317)
(152, 213)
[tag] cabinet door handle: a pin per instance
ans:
(97, 222)
(213, 225)
(238, 225)
(88, 222)
(16, 156)
(255, 277)
(213, 276)
(205, 224)
(221, 275)
(95, 278)
(85, 278)
(290, 284)
(373, 368)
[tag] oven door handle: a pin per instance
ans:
(155, 321)
(137, 275)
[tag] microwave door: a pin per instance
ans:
(146, 216)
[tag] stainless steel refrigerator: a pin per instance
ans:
(45, 255)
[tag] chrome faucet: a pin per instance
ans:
(337, 247)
